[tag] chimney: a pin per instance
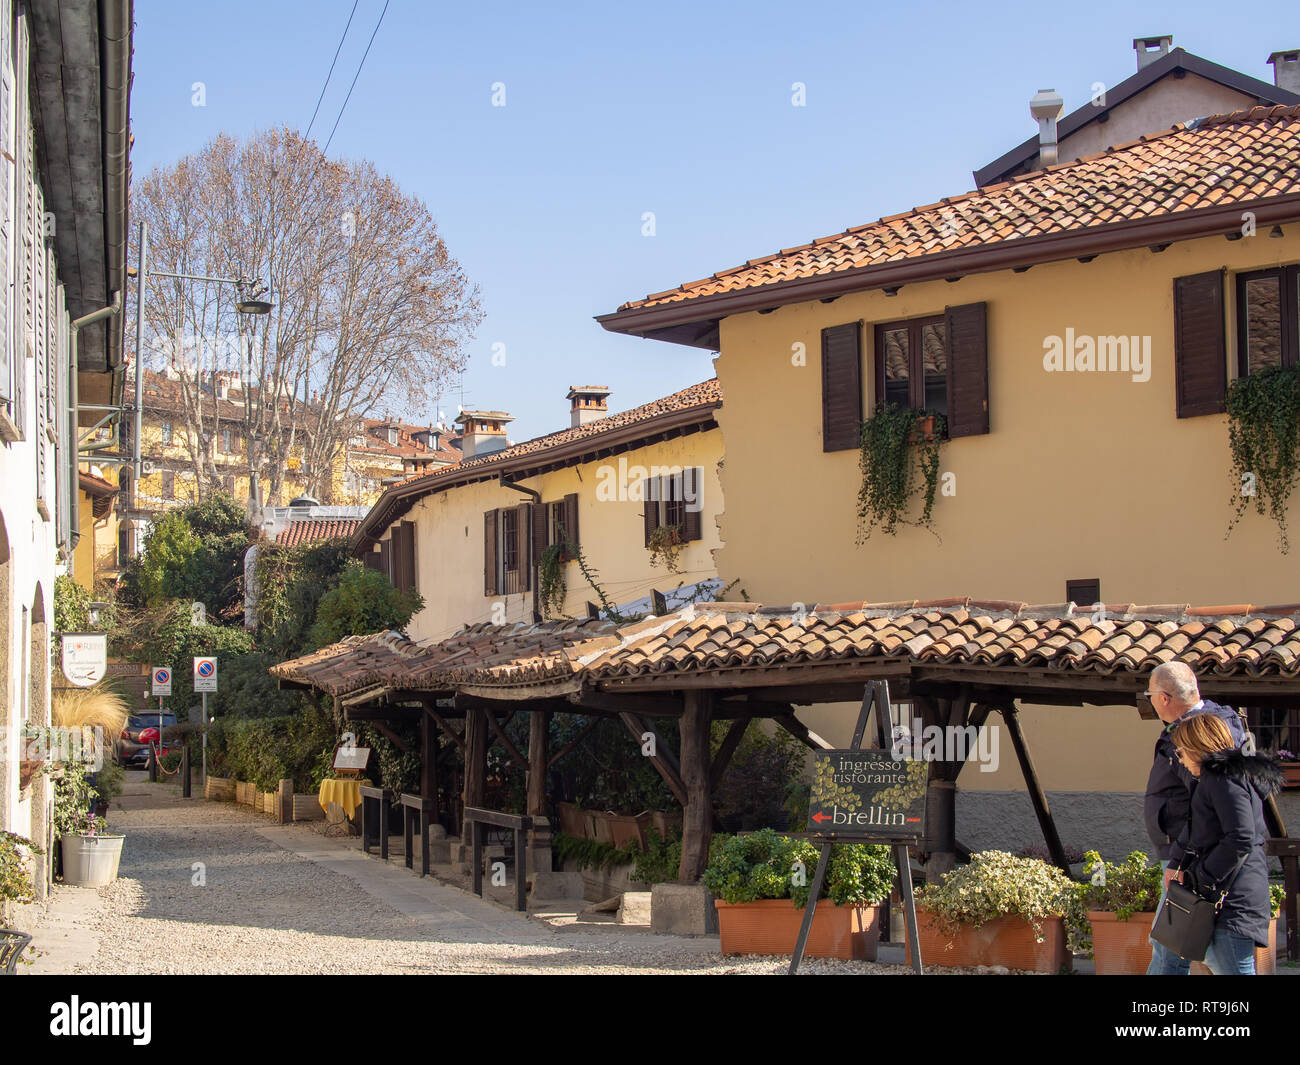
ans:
(483, 432)
(1046, 108)
(1286, 69)
(587, 404)
(1149, 49)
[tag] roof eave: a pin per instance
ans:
(660, 321)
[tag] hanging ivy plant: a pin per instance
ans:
(666, 547)
(1264, 440)
(894, 448)
(551, 587)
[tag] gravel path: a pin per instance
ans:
(214, 888)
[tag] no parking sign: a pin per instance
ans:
(205, 674)
(162, 680)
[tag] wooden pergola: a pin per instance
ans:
(956, 662)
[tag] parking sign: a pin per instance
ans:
(205, 674)
(162, 680)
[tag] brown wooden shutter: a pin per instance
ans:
(691, 481)
(408, 581)
(537, 517)
(1200, 350)
(386, 559)
(521, 544)
(653, 491)
(965, 330)
(373, 561)
(571, 518)
(490, 553)
(842, 387)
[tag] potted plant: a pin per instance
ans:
(762, 883)
(107, 785)
(896, 443)
(15, 887)
(1121, 900)
(90, 853)
(1020, 913)
(665, 546)
(1290, 767)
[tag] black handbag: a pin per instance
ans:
(1185, 923)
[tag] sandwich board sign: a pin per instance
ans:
(85, 657)
(162, 680)
(866, 796)
(205, 674)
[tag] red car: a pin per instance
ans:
(141, 730)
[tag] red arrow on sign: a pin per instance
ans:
(819, 817)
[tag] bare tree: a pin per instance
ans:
(370, 309)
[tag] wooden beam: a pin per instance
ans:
(729, 744)
(802, 733)
(456, 737)
(397, 741)
(559, 755)
(1036, 794)
(497, 727)
(475, 765)
(697, 817)
(664, 761)
(647, 705)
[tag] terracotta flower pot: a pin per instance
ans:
(1120, 947)
(924, 429)
(771, 926)
(1007, 941)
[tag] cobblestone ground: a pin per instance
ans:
(209, 887)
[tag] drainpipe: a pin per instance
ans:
(536, 497)
(111, 311)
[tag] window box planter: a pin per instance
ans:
(771, 926)
(1006, 941)
(1121, 947)
(90, 861)
(924, 429)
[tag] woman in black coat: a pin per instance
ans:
(1224, 839)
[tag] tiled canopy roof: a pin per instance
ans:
(1240, 640)
(1230, 159)
(297, 533)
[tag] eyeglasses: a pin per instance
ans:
(1157, 692)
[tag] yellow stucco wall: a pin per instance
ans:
(1082, 475)
(449, 538)
(95, 556)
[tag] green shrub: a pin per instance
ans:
(15, 861)
(661, 860)
(765, 784)
(764, 865)
(1126, 888)
(290, 584)
(593, 854)
(363, 602)
(996, 884)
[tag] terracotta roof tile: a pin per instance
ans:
(297, 533)
(1238, 157)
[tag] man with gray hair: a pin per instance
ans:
(1173, 693)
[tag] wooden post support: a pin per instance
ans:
(475, 762)
(285, 801)
(539, 736)
(1036, 794)
(697, 818)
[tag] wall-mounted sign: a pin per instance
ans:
(205, 674)
(85, 657)
(867, 793)
(162, 680)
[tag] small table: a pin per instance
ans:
(344, 793)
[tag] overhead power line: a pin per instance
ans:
(337, 50)
(326, 149)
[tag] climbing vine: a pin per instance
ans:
(1264, 439)
(551, 587)
(893, 450)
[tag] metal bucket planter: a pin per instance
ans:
(1005, 941)
(771, 926)
(1120, 948)
(90, 861)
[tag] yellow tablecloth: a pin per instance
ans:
(347, 793)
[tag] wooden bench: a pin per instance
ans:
(416, 808)
(478, 819)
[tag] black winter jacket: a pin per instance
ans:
(1225, 833)
(1169, 786)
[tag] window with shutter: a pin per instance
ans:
(407, 580)
(693, 502)
(1200, 358)
(1085, 593)
(569, 518)
(675, 500)
(1268, 319)
(842, 387)
(523, 579)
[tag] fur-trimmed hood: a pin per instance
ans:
(1261, 770)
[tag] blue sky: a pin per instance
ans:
(613, 110)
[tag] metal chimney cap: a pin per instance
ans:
(1046, 104)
